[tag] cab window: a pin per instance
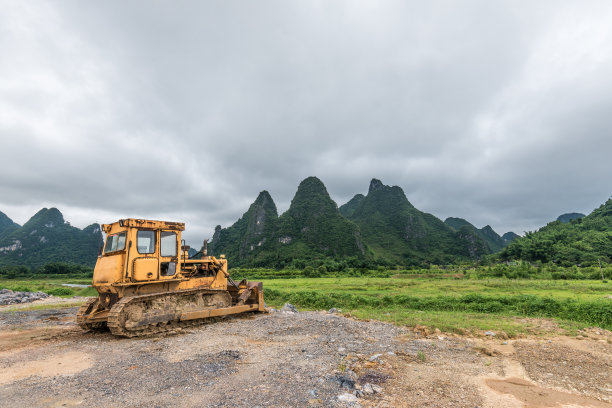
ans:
(168, 268)
(168, 243)
(145, 241)
(115, 242)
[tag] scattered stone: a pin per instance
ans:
(390, 353)
(289, 308)
(341, 350)
(8, 297)
(375, 357)
(347, 397)
(490, 334)
(344, 381)
(374, 377)
(332, 310)
(377, 388)
(367, 388)
(352, 375)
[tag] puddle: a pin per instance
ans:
(534, 396)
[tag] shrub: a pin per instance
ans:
(20, 288)
(60, 292)
(308, 271)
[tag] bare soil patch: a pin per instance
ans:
(534, 396)
(566, 365)
(307, 359)
(61, 364)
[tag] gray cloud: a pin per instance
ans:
(497, 112)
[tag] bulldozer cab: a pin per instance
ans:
(140, 251)
(144, 251)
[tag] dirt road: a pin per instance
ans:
(307, 359)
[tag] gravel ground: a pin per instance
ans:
(278, 360)
(16, 319)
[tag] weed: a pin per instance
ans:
(42, 307)
(342, 365)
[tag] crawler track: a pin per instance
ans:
(157, 313)
(82, 316)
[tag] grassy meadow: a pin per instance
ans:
(450, 302)
(52, 286)
(454, 304)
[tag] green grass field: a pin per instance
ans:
(50, 286)
(455, 305)
(450, 304)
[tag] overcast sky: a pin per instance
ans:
(499, 112)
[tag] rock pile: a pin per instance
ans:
(289, 308)
(8, 297)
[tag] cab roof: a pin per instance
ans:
(149, 224)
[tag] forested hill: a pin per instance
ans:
(349, 208)
(312, 228)
(570, 216)
(382, 227)
(251, 236)
(6, 224)
(508, 237)
(379, 228)
(494, 242)
(397, 232)
(46, 238)
(581, 241)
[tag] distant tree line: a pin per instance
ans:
(581, 242)
(50, 270)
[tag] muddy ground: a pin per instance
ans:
(308, 359)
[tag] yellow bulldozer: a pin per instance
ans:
(147, 284)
